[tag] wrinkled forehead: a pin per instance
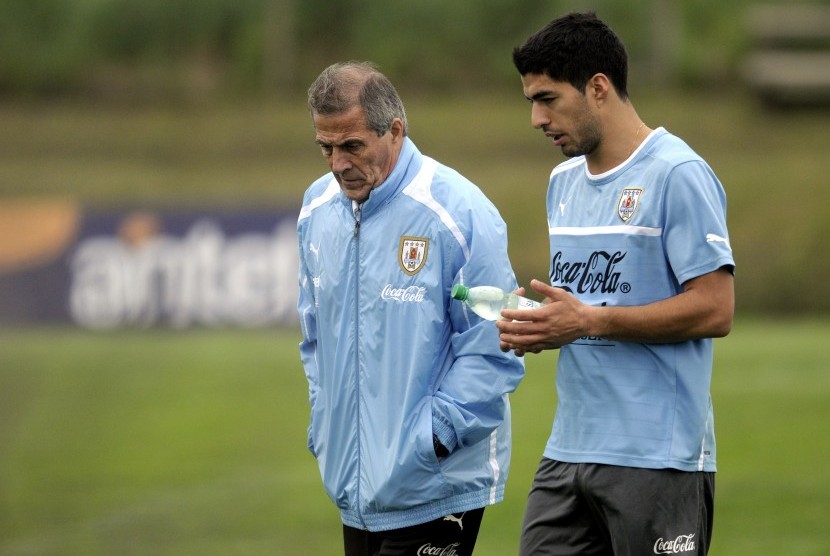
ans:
(344, 124)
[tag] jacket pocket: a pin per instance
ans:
(408, 474)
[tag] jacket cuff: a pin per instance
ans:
(445, 434)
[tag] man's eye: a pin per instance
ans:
(326, 150)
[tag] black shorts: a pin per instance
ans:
(451, 535)
(592, 510)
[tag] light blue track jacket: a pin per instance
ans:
(391, 359)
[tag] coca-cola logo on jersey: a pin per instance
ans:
(598, 273)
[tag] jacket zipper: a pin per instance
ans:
(356, 211)
(356, 208)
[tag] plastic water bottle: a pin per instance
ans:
(488, 301)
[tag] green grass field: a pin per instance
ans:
(193, 443)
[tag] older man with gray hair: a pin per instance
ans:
(410, 419)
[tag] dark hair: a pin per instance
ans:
(573, 48)
(343, 85)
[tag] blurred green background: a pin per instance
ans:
(193, 442)
(192, 102)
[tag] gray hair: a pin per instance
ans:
(343, 85)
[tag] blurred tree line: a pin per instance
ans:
(111, 47)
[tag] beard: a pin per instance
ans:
(587, 137)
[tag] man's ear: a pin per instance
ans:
(396, 130)
(598, 88)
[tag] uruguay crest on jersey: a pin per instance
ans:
(412, 253)
(629, 201)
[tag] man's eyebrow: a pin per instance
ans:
(346, 143)
(540, 95)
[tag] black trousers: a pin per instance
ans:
(452, 535)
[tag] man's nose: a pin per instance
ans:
(340, 161)
(538, 116)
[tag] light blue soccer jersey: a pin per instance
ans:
(632, 236)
